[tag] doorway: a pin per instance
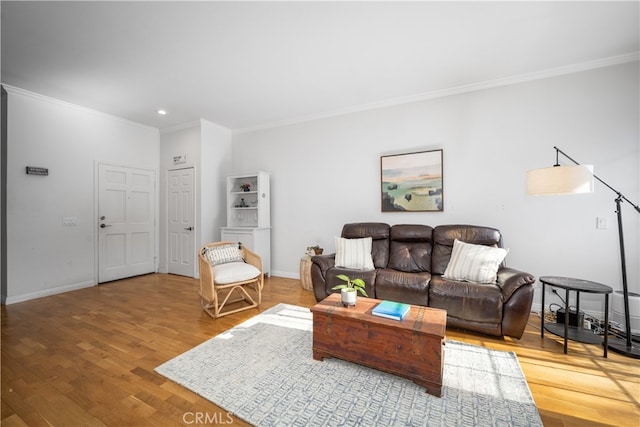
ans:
(181, 224)
(126, 222)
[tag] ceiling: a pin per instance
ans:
(247, 65)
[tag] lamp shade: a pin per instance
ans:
(560, 180)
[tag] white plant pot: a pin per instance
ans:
(349, 297)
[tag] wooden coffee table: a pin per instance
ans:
(411, 348)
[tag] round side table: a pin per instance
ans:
(575, 333)
(305, 273)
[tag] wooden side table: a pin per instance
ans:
(576, 333)
(305, 273)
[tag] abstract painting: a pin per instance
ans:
(412, 182)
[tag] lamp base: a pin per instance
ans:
(620, 346)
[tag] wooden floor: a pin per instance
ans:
(87, 358)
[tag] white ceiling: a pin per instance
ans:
(246, 65)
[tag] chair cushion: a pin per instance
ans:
(354, 253)
(474, 263)
(232, 272)
(222, 254)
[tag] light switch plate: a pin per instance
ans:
(602, 223)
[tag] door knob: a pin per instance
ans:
(189, 228)
(105, 225)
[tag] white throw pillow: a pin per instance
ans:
(474, 263)
(354, 253)
(222, 254)
(232, 272)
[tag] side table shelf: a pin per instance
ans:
(575, 333)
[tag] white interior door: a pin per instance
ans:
(182, 248)
(126, 221)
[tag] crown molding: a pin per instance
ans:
(457, 90)
(23, 92)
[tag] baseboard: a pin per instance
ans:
(7, 300)
(285, 274)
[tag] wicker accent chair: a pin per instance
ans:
(242, 277)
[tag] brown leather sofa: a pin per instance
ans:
(409, 262)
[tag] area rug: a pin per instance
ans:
(263, 372)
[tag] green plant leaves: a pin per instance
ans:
(357, 284)
(362, 291)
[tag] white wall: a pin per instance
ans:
(327, 172)
(3, 192)
(43, 256)
(216, 165)
(208, 150)
(180, 142)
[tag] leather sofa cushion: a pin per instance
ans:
(410, 288)
(410, 248)
(379, 233)
(445, 235)
(474, 302)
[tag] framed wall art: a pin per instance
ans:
(412, 182)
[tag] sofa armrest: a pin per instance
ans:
(324, 262)
(319, 266)
(510, 280)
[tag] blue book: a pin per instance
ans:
(391, 310)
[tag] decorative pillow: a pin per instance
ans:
(232, 272)
(354, 253)
(474, 263)
(222, 254)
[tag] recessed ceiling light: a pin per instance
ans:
(162, 112)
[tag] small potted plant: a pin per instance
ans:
(245, 187)
(349, 290)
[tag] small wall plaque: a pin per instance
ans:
(177, 160)
(32, 170)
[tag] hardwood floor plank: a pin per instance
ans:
(13, 421)
(49, 408)
(87, 357)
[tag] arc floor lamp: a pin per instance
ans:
(578, 178)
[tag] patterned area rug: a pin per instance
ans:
(263, 372)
